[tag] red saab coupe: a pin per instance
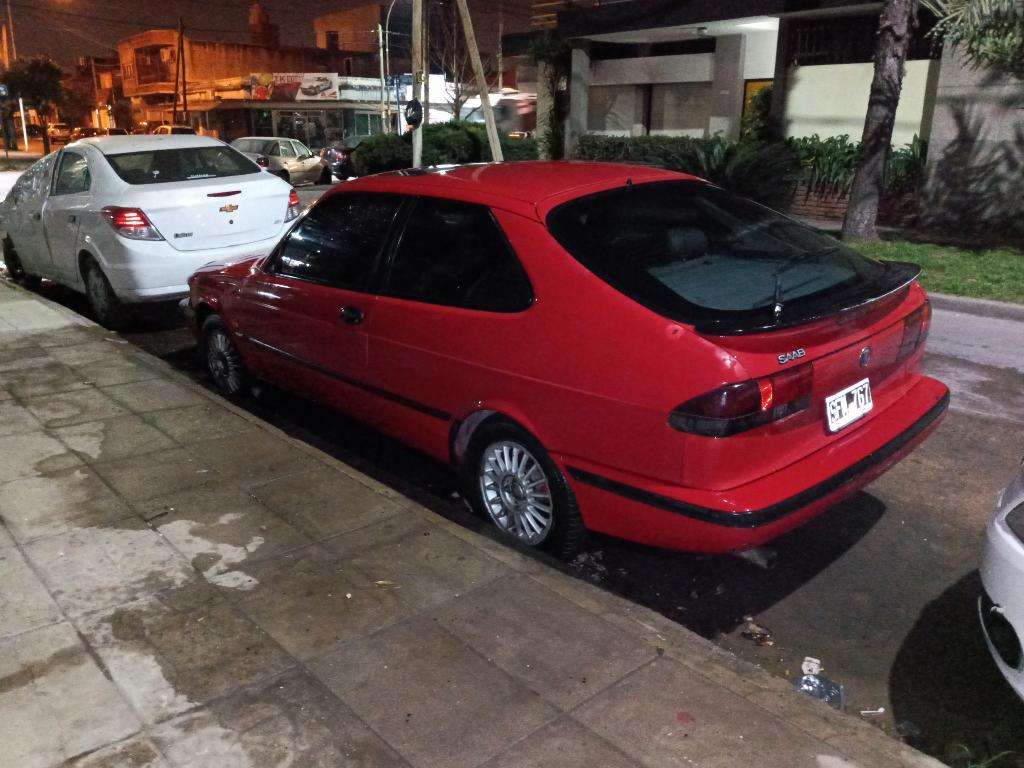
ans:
(595, 346)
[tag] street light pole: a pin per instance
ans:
(417, 78)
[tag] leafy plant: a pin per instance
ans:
(384, 152)
(904, 167)
(828, 165)
(755, 122)
(991, 32)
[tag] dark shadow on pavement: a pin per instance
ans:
(945, 688)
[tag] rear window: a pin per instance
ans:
(702, 256)
(163, 165)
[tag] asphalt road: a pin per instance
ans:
(881, 588)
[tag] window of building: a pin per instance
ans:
(680, 109)
(850, 40)
(333, 40)
(614, 109)
(454, 253)
(339, 241)
(73, 175)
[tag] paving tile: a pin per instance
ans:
(428, 566)
(54, 700)
(153, 395)
(149, 475)
(309, 601)
(116, 438)
(455, 708)
(23, 357)
(32, 315)
(5, 394)
(556, 648)
(132, 753)
(33, 453)
(24, 602)
(267, 457)
(44, 379)
(205, 421)
(74, 407)
(6, 540)
(288, 721)
(98, 351)
(167, 661)
(220, 527)
(16, 419)
(324, 502)
(89, 569)
(387, 531)
(105, 373)
(33, 507)
(565, 744)
(667, 715)
(73, 334)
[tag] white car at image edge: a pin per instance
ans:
(127, 219)
(1001, 607)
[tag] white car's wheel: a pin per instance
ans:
(106, 307)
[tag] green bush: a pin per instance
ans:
(763, 172)
(828, 165)
(443, 144)
(383, 152)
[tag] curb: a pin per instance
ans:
(1001, 310)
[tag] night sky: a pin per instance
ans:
(64, 30)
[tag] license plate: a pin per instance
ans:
(848, 405)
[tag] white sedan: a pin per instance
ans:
(127, 219)
(1001, 607)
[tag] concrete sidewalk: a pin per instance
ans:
(183, 585)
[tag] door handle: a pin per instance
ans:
(36, 216)
(72, 218)
(352, 315)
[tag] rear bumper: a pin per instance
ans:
(724, 521)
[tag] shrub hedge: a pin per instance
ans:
(443, 143)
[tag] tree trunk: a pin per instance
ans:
(545, 109)
(46, 133)
(896, 27)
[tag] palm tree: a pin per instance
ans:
(990, 32)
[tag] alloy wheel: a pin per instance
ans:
(223, 362)
(516, 492)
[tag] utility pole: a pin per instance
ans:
(10, 26)
(177, 71)
(385, 123)
(481, 81)
(426, 64)
(417, 78)
(501, 32)
(184, 75)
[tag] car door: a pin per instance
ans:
(308, 163)
(305, 312)
(289, 163)
(26, 227)
(68, 202)
(448, 326)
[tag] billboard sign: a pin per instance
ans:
(311, 86)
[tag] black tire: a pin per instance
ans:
(15, 269)
(221, 359)
(106, 308)
(567, 532)
(325, 175)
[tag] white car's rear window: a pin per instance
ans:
(160, 166)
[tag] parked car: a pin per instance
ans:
(287, 158)
(1001, 606)
(59, 132)
(86, 132)
(127, 219)
(166, 130)
(595, 346)
(337, 156)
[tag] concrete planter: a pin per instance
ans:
(900, 209)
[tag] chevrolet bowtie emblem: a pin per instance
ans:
(229, 208)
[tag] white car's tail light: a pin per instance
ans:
(294, 206)
(131, 223)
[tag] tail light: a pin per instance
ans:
(262, 161)
(738, 407)
(915, 329)
(131, 223)
(294, 206)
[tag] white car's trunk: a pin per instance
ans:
(213, 213)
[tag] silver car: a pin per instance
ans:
(1001, 607)
(288, 158)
